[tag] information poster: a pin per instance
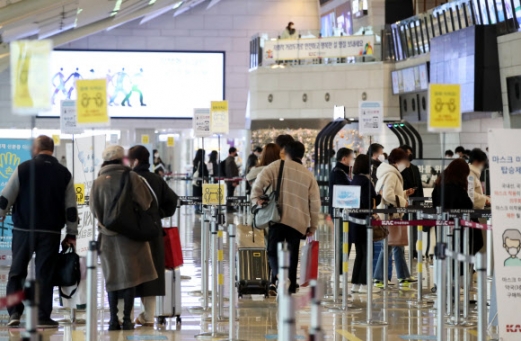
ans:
(91, 104)
(12, 154)
(371, 118)
(214, 194)
(201, 123)
(444, 108)
(219, 123)
(145, 139)
(30, 74)
(68, 119)
(505, 175)
(170, 141)
(346, 196)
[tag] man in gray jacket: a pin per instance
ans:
(41, 193)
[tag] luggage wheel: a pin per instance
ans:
(161, 320)
(178, 320)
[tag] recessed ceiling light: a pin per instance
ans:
(281, 119)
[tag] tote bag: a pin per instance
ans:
(264, 216)
(173, 250)
(309, 263)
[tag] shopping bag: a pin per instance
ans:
(173, 250)
(309, 263)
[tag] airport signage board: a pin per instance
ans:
(219, 121)
(371, 118)
(68, 118)
(444, 108)
(91, 106)
(201, 123)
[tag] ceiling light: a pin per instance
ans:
(281, 119)
(117, 7)
(177, 5)
(151, 2)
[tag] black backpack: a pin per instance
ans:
(222, 167)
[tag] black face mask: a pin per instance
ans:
(411, 158)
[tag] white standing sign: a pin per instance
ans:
(505, 175)
(346, 196)
(68, 118)
(371, 118)
(201, 123)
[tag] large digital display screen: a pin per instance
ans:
(453, 62)
(142, 84)
(413, 79)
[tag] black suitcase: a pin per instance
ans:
(252, 272)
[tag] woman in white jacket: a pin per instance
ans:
(390, 187)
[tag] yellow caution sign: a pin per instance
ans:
(145, 139)
(56, 139)
(80, 193)
(91, 105)
(444, 108)
(170, 141)
(213, 194)
(219, 123)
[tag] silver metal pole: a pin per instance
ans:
(178, 213)
(385, 257)
(345, 263)
(482, 296)
(220, 262)
(440, 275)
(215, 269)
(233, 293)
(419, 302)
(449, 278)
(92, 305)
(317, 292)
(283, 292)
(490, 254)
(336, 257)
(411, 242)
(456, 274)
(204, 255)
(31, 301)
(466, 270)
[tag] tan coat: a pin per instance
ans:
(299, 197)
(480, 199)
(125, 263)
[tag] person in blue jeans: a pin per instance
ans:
(377, 248)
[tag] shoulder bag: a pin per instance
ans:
(264, 216)
(130, 219)
(67, 271)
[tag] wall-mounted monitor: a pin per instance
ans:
(142, 84)
(514, 95)
(412, 79)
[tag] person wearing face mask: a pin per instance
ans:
(449, 154)
(390, 187)
(340, 173)
(139, 159)
(290, 32)
(477, 162)
(376, 153)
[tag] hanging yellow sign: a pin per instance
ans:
(219, 123)
(145, 139)
(444, 108)
(30, 75)
(56, 139)
(91, 105)
(80, 193)
(213, 194)
(170, 141)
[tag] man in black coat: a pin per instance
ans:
(164, 206)
(340, 173)
(412, 179)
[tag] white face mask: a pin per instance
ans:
(401, 167)
(512, 251)
(381, 158)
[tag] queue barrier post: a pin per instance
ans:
(92, 281)
(336, 265)
(466, 275)
(345, 263)
(455, 274)
(440, 302)
(448, 279)
(419, 302)
(286, 317)
(411, 241)
(317, 292)
(481, 262)
(178, 213)
(220, 275)
(206, 266)
(31, 301)
(385, 251)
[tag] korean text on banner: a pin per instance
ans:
(170, 141)
(91, 105)
(201, 123)
(68, 118)
(30, 74)
(444, 108)
(371, 118)
(213, 194)
(219, 123)
(505, 175)
(12, 154)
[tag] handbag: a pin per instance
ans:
(130, 220)
(68, 271)
(398, 236)
(173, 250)
(264, 216)
(309, 263)
(195, 181)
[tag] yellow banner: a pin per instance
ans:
(30, 76)
(444, 108)
(56, 139)
(80, 193)
(145, 139)
(170, 141)
(213, 194)
(91, 104)
(219, 123)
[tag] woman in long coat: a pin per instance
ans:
(139, 157)
(126, 263)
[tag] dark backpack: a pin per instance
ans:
(222, 167)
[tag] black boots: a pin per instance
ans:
(113, 304)
(128, 296)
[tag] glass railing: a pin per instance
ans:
(411, 37)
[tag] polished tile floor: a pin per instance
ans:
(257, 317)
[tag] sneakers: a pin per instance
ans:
(363, 289)
(14, 320)
(412, 279)
(355, 288)
(379, 284)
(272, 290)
(48, 324)
(404, 283)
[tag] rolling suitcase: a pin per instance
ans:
(170, 305)
(252, 272)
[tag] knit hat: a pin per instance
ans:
(112, 153)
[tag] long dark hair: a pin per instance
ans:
(361, 165)
(270, 153)
(456, 174)
(199, 157)
(213, 156)
(251, 162)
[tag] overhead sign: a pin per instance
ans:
(145, 139)
(91, 105)
(213, 194)
(56, 139)
(309, 48)
(370, 118)
(201, 123)
(444, 108)
(170, 141)
(219, 123)
(505, 175)
(30, 74)
(68, 119)
(346, 196)
(339, 112)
